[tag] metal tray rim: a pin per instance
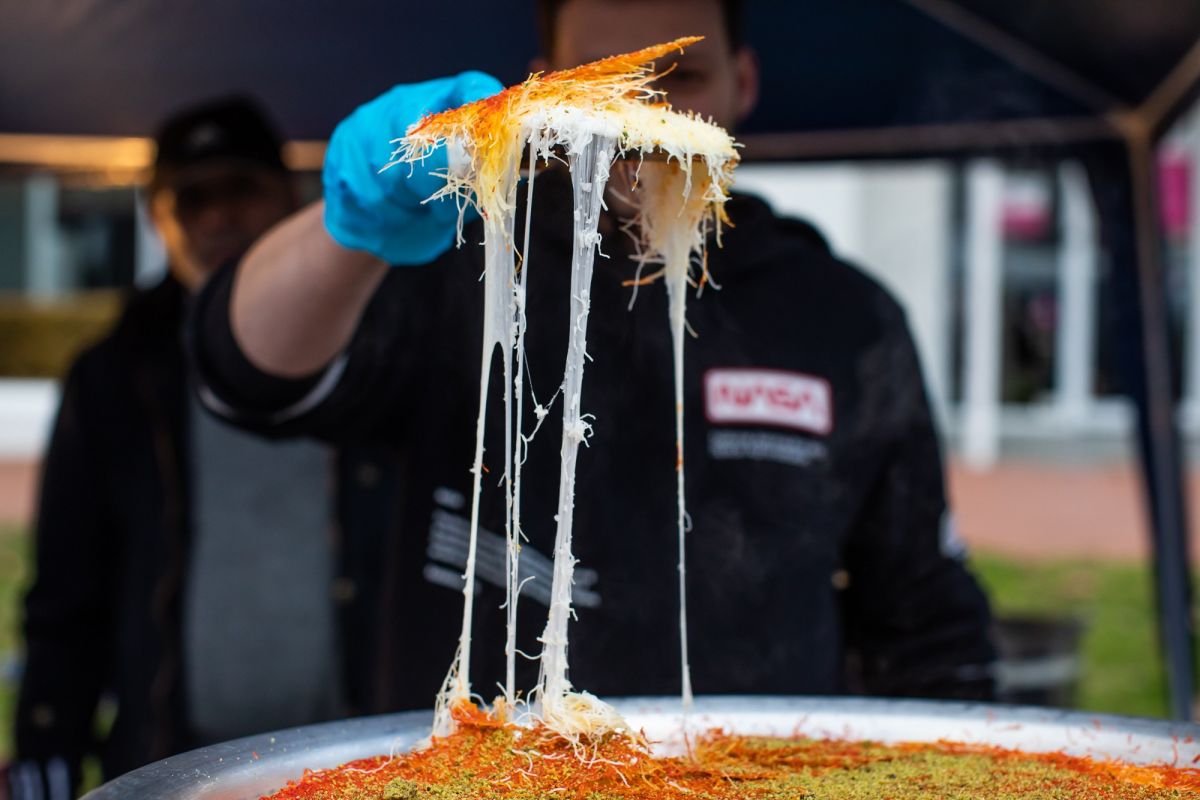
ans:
(244, 769)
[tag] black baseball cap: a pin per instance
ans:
(230, 129)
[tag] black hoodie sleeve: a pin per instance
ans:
(364, 395)
(917, 622)
(68, 610)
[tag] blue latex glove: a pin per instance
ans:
(382, 212)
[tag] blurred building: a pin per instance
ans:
(73, 236)
(998, 265)
(1007, 287)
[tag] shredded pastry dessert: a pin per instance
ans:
(487, 758)
(591, 115)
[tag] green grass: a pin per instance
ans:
(1122, 668)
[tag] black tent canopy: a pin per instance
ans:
(1099, 80)
(926, 75)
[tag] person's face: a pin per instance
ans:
(212, 213)
(709, 78)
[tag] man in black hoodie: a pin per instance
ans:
(184, 569)
(822, 557)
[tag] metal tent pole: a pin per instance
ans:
(1123, 184)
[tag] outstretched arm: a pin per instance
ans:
(302, 289)
(298, 296)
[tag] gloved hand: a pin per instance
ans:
(381, 212)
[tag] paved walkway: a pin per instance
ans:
(1030, 510)
(1020, 509)
(18, 486)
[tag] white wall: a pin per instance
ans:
(829, 196)
(27, 409)
(906, 245)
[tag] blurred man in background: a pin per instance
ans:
(184, 569)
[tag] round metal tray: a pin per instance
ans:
(247, 769)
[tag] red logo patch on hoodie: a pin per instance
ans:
(753, 396)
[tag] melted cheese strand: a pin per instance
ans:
(497, 331)
(597, 109)
(589, 174)
(676, 272)
(674, 207)
(513, 588)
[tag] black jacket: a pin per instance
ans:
(103, 617)
(816, 562)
